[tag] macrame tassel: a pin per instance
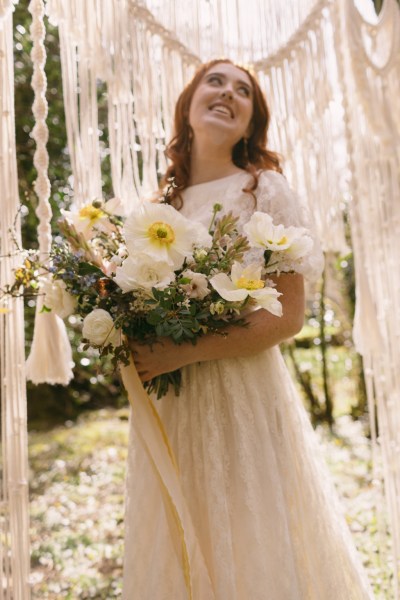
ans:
(50, 358)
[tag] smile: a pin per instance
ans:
(222, 109)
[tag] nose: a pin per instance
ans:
(227, 94)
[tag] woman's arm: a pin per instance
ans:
(264, 330)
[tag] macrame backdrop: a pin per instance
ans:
(333, 83)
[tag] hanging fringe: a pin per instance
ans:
(370, 68)
(302, 88)
(14, 507)
(50, 356)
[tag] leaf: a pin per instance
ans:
(267, 256)
(153, 318)
(85, 268)
(45, 309)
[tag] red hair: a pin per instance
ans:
(256, 158)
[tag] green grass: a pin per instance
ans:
(77, 487)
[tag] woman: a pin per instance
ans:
(265, 513)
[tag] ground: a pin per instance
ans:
(77, 475)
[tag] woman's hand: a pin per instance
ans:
(163, 356)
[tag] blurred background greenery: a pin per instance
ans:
(322, 358)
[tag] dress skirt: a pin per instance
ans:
(264, 508)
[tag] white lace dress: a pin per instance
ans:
(264, 509)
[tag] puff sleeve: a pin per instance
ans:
(275, 197)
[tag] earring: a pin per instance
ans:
(189, 140)
(245, 151)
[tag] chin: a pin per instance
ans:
(218, 133)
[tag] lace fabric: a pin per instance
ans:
(266, 514)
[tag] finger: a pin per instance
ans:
(143, 374)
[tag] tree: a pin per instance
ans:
(378, 5)
(90, 387)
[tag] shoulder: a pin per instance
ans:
(274, 188)
(269, 180)
(275, 196)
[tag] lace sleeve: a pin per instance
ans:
(275, 197)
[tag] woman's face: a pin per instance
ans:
(222, 105)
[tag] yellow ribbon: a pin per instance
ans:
(154, 438)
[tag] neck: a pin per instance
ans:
(209, 162)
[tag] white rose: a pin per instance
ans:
(143, 272)
(57, 298)
(98, 328)
(198, 286)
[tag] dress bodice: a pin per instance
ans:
(273, 196)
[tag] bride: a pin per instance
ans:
(264, 510)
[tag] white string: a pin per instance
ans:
(50, 358)
(14, 526)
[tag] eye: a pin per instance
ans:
(244, 91)
(214, 79)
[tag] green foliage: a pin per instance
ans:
(378, 5)
(59, 165)
(90, 388)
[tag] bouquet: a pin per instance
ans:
(156, 274)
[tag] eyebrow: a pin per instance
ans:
(241, 81)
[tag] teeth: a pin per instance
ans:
(222, 109)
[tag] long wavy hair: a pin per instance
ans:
(252, 159)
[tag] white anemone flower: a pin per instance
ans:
(262, 233)
(244, 282)
(93, 217)
(163, 233)
(300, 247)
(143, 272)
